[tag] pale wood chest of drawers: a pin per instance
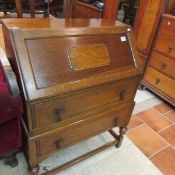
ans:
(160, 73)
(77, 82)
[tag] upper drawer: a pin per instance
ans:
(164, 64)
(165, 45)
(161, 82)
(73, 107)
(69, 135)
(167, 26)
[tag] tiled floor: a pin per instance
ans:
(153, 132)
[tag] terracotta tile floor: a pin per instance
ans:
(169, 135)
(165, 161)
(134, 122)
(153, 118)
(171, 116)
(153, 132)
(163, 108)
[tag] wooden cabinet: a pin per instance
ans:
(84, 10)
(146, 24)
(160, 72)
(77, 80)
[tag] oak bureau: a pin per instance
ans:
(77, 81)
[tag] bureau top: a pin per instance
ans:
(58, 61)
(53, 22)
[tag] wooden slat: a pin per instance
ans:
(80, 158)
(19, 8)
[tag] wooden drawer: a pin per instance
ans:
(165, 45)
(164, 64)
(167, 26)
(160, 82)
(72, 106)
(72, 134)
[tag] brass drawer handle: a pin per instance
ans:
(58, 143)
(58, 114)
(157, 81)
(122, 94)
(163, 65)
(170, 49)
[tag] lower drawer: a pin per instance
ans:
(82, 130)
(160, 81)
(164, 64)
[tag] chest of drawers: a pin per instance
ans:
(77, 82)
(160, 73)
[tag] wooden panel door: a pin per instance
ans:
(146, 23)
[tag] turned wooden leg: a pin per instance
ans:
(34, 170)
(141, 87)
(122, 132)
(119, 136)
(11, 159)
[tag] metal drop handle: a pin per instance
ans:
(122, 94)
(58, 143)
(170, 49)
(157, 81)
(163, 65)
(58, 114)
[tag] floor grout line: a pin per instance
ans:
(155, 134)
(166, 128)
(172, 123)
(135, 127)
(170, 111)
(159, 151)
(163, 113)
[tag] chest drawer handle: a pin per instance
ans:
(170, 49)
(122, 94)
(58, 114)
(58, 143)
(163, 65)
(157, 81)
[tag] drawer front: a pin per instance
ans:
(64, 109)
(164, 64)
(167, 26)
(84, 130)
(165, 45)
(160, 82)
